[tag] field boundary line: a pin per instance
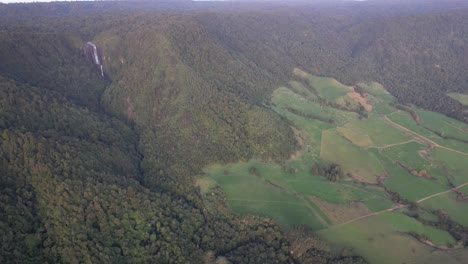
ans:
(454, 126)
(418, 135)
(398, 206)
(392, 145)
(441, 193)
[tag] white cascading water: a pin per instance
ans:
(96, 56)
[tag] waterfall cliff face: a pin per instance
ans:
(91, 49)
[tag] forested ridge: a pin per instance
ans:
(102, 169)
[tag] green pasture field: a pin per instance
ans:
(448, 127)
(408, 155)
(301, 89)
(312, 133)
(464, 190)
(285, 98)
(357, 136)
(376, 89)
(352, 159)
(427, 215)
(328, 88)
(384, 239)
(408, 186)
(365, 149)
(266, 192)
(452, 164)
(406, 121)
(378, 97)
(285, 213)
(456, 209)
(462, 98)
(407, 224)
(373, 132)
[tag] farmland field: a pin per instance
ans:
(456, 208)
(378, 134)
(383, 239)
(462, 98)
(354, 160)
(368, 180)
(443, 125)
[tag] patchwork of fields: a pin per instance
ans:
(371, 177)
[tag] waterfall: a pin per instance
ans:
(95, 56)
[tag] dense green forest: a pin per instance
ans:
(102, 170)
(72, 192)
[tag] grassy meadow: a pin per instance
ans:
(386, 160)
(462, 98)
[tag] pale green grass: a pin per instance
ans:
(351, 158)
(376, 89)
(356, 135)
(464, 190)
(427, 215)
(373, 132)
(327, 191)
(407, 224)
(457, 210)
(462, 98)
(302, 90)
(267, 194)
(328, 88)
(378, 204)
(283, 191)
(379, 98)
(411, 187)
(452, 164)
(287, 214)
(408, 155)
(383, 241)
(312, 133)
(405, 120)
(285, 98)
(447, 126)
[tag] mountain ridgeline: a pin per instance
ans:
(99, 154)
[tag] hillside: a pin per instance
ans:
(217, 136)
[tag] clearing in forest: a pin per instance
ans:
(462, 98)
(356, 173)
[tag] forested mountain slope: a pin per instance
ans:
(53, 61)
(71, 192)
(200, 105)
(406, 54)
(100, 169)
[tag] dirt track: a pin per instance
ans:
(399, 206)
(422, 137)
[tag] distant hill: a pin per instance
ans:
(103, 169)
